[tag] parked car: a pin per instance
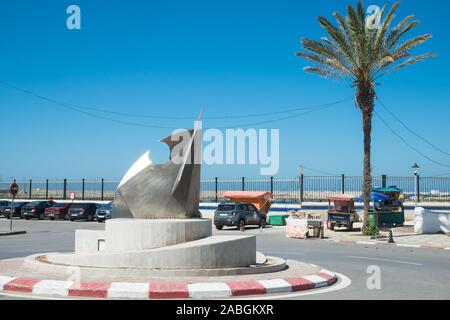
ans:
(16, 210)
(36, 209)
(239, 215)
(104, 212)
(3, 205)
(58, 211)
(82, 211)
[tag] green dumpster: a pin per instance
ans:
(278, 219)
(387, 218)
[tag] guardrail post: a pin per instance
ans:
(30, 187)
(383, 181)
(243, 183)
(301, 187)
(215, 189)
(342, 183)
(46, 188)
(271, 185)
(103, 188)
(82, 189)
(65, 189)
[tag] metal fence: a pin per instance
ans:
(302, 188)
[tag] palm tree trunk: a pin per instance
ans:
(365, 99)
(367, 128)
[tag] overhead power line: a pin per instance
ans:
(168, 117)
(410, 130)
(319, 171)
(293, 116)
(408, 144)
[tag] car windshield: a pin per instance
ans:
(225, 207)
(35, 203)
(18, 204)
(59, 205)
(79, 205)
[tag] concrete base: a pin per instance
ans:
(39, 263)
(124, 235)
(208, 253)
(172, 244)
(88, 241)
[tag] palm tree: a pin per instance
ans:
(360, 50)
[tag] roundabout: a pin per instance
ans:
(297, 277)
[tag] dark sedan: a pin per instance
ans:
(82, 211)
(58, 211)
(3, 205)
(16, 210)
(36, 209)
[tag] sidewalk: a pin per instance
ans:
(403, 236)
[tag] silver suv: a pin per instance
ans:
(238, 214)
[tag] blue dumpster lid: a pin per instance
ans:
(375, 196)
(388, 189)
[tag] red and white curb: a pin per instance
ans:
(422, 246)
(201, 290)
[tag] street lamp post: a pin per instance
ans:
(416, 168)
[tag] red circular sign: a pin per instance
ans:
(13, 189)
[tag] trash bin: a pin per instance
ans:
(278, 219)
(387, 218)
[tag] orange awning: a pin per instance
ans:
(247, 194)
(341, 197)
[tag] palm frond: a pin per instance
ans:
(411, 43)
(326, 62)
(323, 72)
(355, 51)
(411, 61)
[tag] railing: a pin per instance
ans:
(302, 188)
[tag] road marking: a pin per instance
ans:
(342, 283)
(366, 242)
(208, 290)
(52, 287)
(408, 245)
(128, 290)
(387, 260)
(276, 285)
(281, 252)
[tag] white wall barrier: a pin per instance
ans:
(429, 222)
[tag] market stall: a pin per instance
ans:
(301, 225)
(260, 199)
(341, 212)
(388, 207)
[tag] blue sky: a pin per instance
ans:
(227, 57)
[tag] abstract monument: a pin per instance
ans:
(163, 191)
(157, 228)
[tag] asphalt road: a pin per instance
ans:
(405, 273)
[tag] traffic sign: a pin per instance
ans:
(13, 189)
(72, 195)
